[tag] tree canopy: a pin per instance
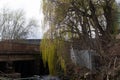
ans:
(81, 16)
(13, 24)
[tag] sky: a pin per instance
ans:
(32, 9)
(118, 0)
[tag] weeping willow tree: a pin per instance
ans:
(77, 19)
(53, 47)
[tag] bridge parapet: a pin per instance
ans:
(11, 47)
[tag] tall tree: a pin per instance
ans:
(13, 24)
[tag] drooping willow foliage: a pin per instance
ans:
(53, 48)
(51, 56)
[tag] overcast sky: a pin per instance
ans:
(118, 0)
(32, 9)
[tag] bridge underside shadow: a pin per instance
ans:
(26, 68)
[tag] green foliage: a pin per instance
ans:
(115, 19)
(51, 56)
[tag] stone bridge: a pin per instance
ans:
(21, 56)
